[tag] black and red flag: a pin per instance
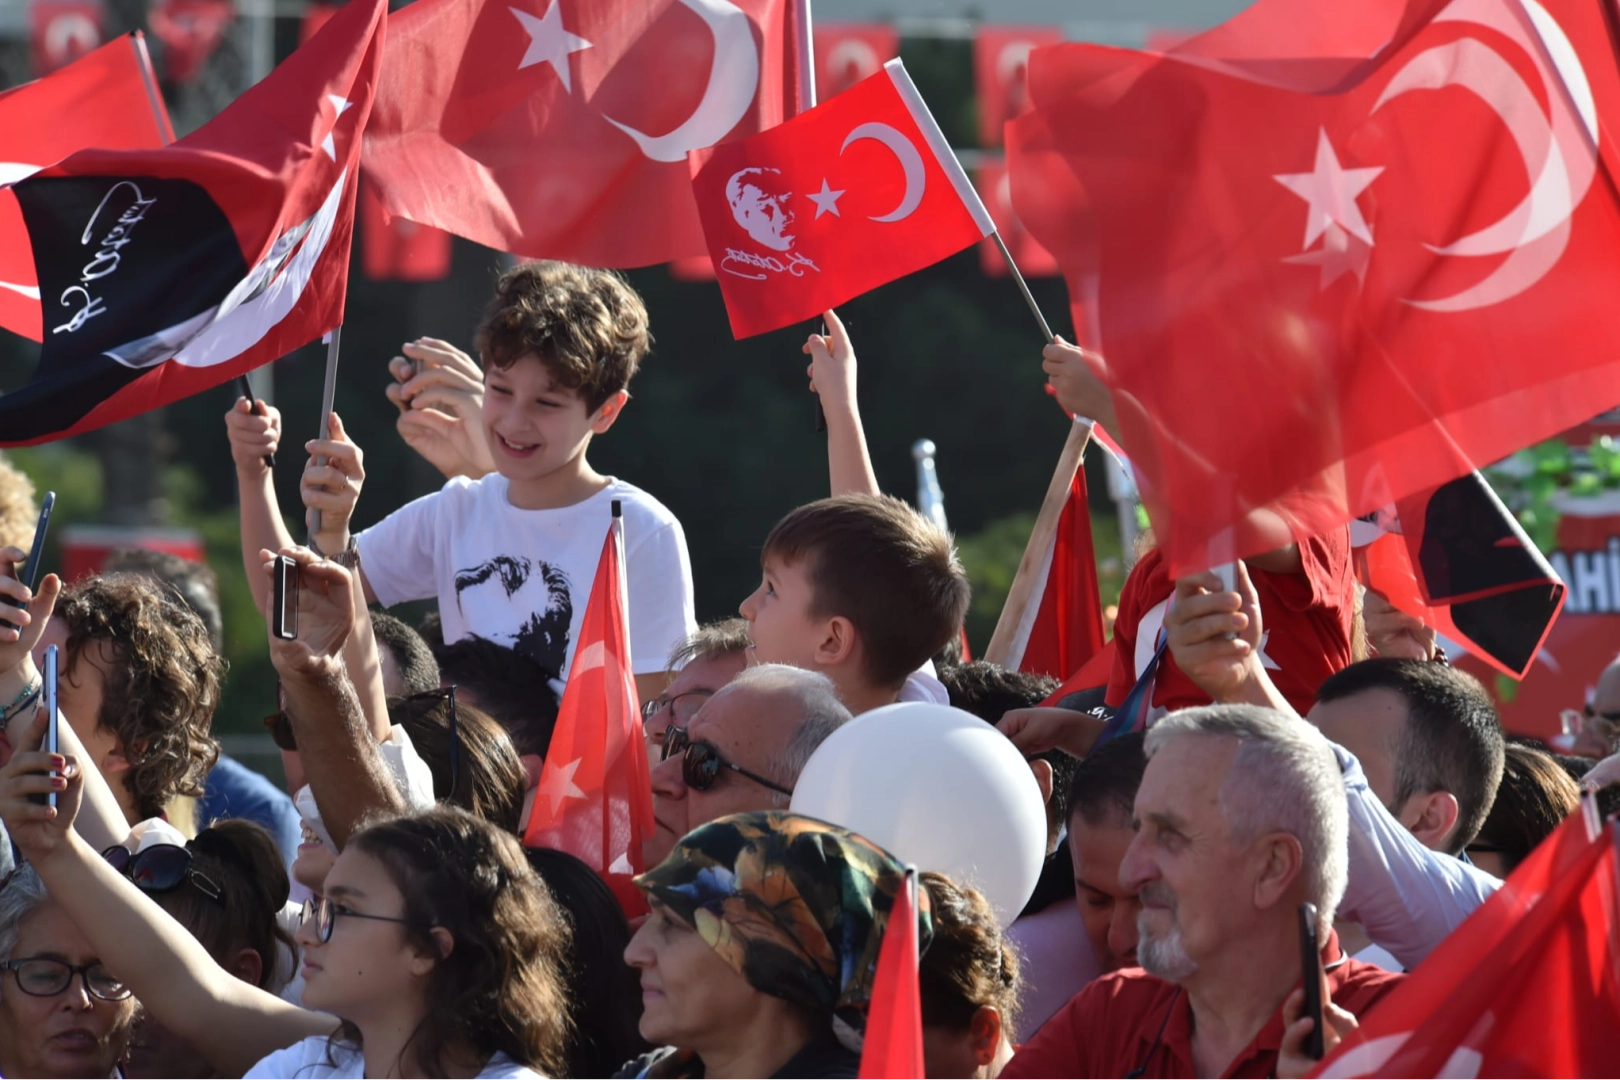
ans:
(1456, 558)
(165, 272)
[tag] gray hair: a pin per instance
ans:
(711, 641)
(21, 896)
(820, 713)
(1285, 777)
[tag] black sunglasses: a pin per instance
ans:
(325, 912)
(701, 763)
(162, 868)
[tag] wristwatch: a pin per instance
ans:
(348, 558)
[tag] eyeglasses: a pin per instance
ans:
(447, 693)
(1573, 721)
(162, 868)
(682, 706)
(42, 977)
(325, 912)
(701, 763)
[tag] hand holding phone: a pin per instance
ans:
(1310, 957)
(284, 602)
(30, 573)
(47, 699)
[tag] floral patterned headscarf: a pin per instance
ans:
(794, 905)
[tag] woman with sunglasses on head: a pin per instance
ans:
(759, 954)
(435, 951)
(472, 759)
(226, 886)
(62, 1013)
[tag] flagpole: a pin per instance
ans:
(328, 393)
(1023, 287)
(805, 52)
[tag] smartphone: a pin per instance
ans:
(30, 573)
(52, 743)
(1310, 958)
(284, 602)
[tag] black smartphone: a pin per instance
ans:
(52, 743)
(1310, 959)
(30, 573)
(284, 602)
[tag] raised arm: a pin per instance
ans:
(230, 1022)
(439, 392)
(832, 377)
(254, 429)
(101, 820)
(344, 767)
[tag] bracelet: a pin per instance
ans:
(25, 698)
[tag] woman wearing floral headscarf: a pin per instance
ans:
(758, 957)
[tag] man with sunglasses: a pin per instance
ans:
(742, 750)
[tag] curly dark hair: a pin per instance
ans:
(501, 989)
(587, 326)
(162, 685)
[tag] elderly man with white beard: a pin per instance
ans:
(1240, 818)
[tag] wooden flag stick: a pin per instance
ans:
(1023, 287)
(328, 393)
(1031, 567)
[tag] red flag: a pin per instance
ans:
(894, 1041)
(1068, 626)
(595, 795)
(839, 200)
(1526, 987)
(315, 17)
(560, 130)
(165, 272)
(1329, 248)
(995, 188)
(1457, 559)
(1001, 74)
(108, 98)
(848, 53)
(399, 250)
(190, 31)
(62, 31)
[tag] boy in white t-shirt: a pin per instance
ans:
(511, 556)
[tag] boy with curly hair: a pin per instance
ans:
(511, 556)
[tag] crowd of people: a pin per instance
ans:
(172, 913)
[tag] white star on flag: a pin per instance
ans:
(1267, 662)
(341, 106)
(549, 43)
(557, 785)
(826, 200)
(1331, 191)
(1339, 254)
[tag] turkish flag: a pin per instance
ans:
(107, 98)
(1331, 281)
(1001, 73)
(595, 795)
(165, 272)
(995, 187)
(839, 200)
(1068, 626)
(61, 31)
(559, 129)
(1526, 987)
(393, 249)
(1457, 559)
(848, 53)
(893, 1046)
(190, 31)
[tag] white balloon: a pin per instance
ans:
(936, 787)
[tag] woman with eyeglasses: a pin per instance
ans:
(62, 1013)
(435, 948)
(759, 954)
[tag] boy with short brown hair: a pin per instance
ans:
(862, 588)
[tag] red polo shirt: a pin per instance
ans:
(1130, 1023)
(1307, 620)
